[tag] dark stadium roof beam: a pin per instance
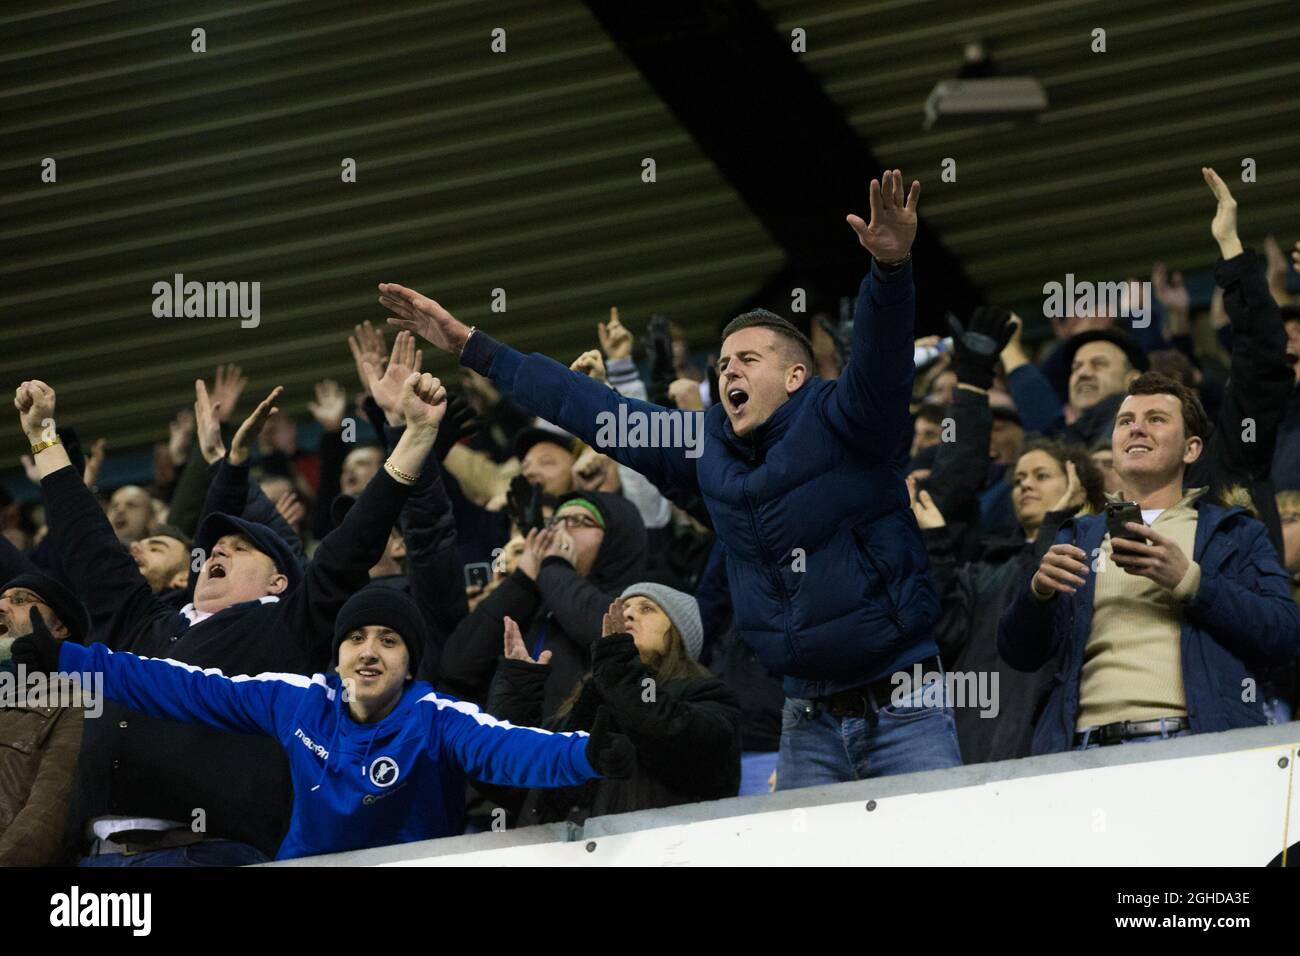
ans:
(738, 88)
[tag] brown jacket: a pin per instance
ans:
(38, 768)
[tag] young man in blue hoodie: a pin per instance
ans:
(376, 757)
(804, 480)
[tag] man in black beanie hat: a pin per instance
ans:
(255, 609)
(390, 616)
(377, 757)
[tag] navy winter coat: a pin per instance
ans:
(1241, 620)
(829, 575)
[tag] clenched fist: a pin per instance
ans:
(35, 403)
(424, 402)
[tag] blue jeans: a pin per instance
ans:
(1165, 734)
(756, 768)
(818, 748)
(207, 853)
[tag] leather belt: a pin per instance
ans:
(1123, 730)
(866, 701)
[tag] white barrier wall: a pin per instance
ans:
(1217, 799)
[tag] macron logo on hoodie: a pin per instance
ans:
(311, 745)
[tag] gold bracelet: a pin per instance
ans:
(398, 473)
(38, 448)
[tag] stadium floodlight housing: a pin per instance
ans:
(994, 98)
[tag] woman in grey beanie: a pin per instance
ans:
(645, 677)
(663, 610)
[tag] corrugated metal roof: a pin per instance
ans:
(1108, 179)
(522, 170)
(475, 171)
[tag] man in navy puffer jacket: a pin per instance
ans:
(803, 479)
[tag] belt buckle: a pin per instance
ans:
(860, 707)
(1113, 733)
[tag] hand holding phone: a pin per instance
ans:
(478, 575)
(1118, 514)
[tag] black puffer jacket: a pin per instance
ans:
(974, 595)
(686, 734)
(561, 611)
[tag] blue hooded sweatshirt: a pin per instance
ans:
(355, 785)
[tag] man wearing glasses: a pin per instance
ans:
(570, 571)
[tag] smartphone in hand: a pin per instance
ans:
(1119, 513)
(478, 574)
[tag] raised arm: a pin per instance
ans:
(192, 488)
(869, 407)
(328, 410)
(591, 411)
(231, 491)
(961, 466)
(342, 562)
(616, 342)
(570, 399)
(99, 569)
(428, 526)
(1037, 400)
(433, 564)
(1260, 381)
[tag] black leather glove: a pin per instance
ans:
(38, 651)
(610, 754)
(458, 423)
(659, 347)
(525, 503)
(976, 348)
